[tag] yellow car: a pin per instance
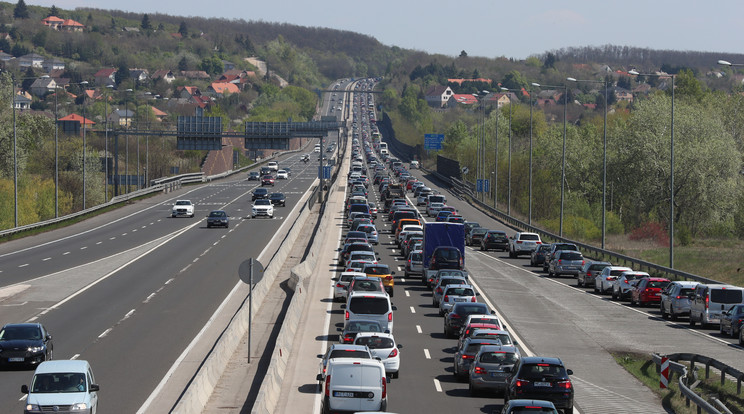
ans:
(382, 271)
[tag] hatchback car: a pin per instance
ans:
(382, 346)
(675, 299)
(474, 236)
(455, 318)
(603, 281)
(491, 368)
(442, 215)
(342, 351)
(218, 218)
(494, 239)
(589, 272)
(566, 262)
(341, 287)
(539, 255)
(364, 283)
(623, 285)
(254, 176)
(348, 333)
(370, 230)
(25, 345)
(442, 284)
(455, 294)
(383, 272)
(464, 356)
(542, 378)
(648, 290)
(267, 180)
(529, 407)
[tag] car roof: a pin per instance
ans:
(349, 347)
(22, 325)
(62, 365)
(496, 348)
(686, 283)
(383, 334)
(531, 403)
(374, 293)
(543, 360)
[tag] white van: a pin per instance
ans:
(317, 148)
(63, 383)
(710, 301)
(354, 385)
(373, 306)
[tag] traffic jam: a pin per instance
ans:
(398, 230)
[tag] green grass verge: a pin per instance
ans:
(642, 367)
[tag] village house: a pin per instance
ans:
(105, 77)
(438, 96)
(164, 74)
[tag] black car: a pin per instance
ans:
(254, 176)
(446, 257)
(260, 193)
(25, 345)
(494, 239)
(218, 218)
(353, 327)
(460, 311)
(277, 199)
(541, 378)
(265, 171)
(475, 235)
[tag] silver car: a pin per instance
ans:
(675, 299)
(566, 262)
(623, 285)
(603, 281)
(415, 263)
(453, 294)
(341, 287)
(492, 367)
(589, 272)
(442, 284)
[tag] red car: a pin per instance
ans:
(648, 290)
(267, 180)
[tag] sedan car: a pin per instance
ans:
(25, 345)
(278, 199)
(648, 290)
(494, 239)
(675, 299)
(282, 175)
(262, 207)
(603, 281)
(341, 288)
(433, 209)
(183, 208)
(383, 346)
(267, 180)
(254, 176)
(218, 218)
(731, 321)
(465, 355)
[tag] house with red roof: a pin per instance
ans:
(105, 77)
(222, 88)
(85, 123)
(67, 25)
(461, 99)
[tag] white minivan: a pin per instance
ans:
(354, 385)
(64, 383)
(373, 306)
(710, 301)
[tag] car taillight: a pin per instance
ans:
(521, 383)
(538, 242)
(479, 370)
(462, 264)
(582, 262)
(339, 285)
(560, 261)
(393, 353)
(564, 384)
(454, 316)
(468, 357)
(608, 278)
(384, 388)
(625, 281)
(472, 299)
(348, 339)
(390, 317)
(519, 241)
(439, 290)
(327, 386)
(347, 315)
(706, 302)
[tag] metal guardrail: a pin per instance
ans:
(684, 377)
(466, 190)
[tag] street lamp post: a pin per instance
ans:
(604, 157)
(509, 170)
(671, 168)
(126, 157)
(105, 117)
(15, 151)
(56, 154)
(84, 141)
(529, 209)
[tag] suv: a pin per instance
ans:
(566, 262)
(554, 247)
(183, 208)
(589, 272)
(446, 257)
(262, 207)
(373, 306)
(494, 239)
(523, 243)
(541, 378)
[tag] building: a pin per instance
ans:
(43, 86)
(438, 96)
(222, 88)
(164, 74)
(105, 77)
(31, 60)
(462, 99)
(122, 117)
(50, 65)
(67, 25)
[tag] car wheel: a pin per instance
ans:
(664, 315)
(672, 315)
(692, 321)
(395, 374)
(741, 336)
(579, 282)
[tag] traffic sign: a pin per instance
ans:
(433, 141)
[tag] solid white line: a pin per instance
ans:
(426, 354)
(418, 329)
(437, 385)
(105, 333)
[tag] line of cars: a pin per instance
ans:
(704, 304)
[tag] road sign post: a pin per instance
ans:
(246, 272)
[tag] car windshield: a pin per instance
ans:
(541, 370)
(369, 305)
(504, 338)
(375, 342)
(506, 358)
(263, 203)
(448, 254)
(529, 237)
(364, 326)
(460, 291)
(462, 309)
(59, 383)
(20, 332)
(183, 203)
(217, 214)
(367, 286)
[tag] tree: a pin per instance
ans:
(463, 54)
(182, 29)
(688, 87)
(122, 74)
(20, 11)
(53, 11)
(550, 60)
(514, 80)
(145, 24)
(183, 64)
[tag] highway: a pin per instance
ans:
(130, 289)
(548, 316)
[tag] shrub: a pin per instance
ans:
(683, 235)
(651, 231)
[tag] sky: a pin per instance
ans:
(489, 28)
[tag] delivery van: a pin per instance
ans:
(354, 385)
(62, 383)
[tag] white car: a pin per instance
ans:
(523, 243)
(262, 207)
(453, 294)
(433, 209)
(183, 208)
(282, 175)
(383, 346)
(273, 165)
(603, 282)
